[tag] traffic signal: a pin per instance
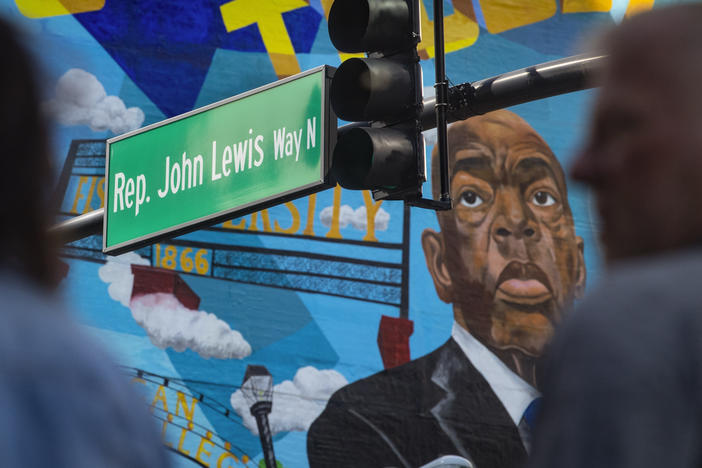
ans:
(383, 92)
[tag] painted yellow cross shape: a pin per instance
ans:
(268, 15)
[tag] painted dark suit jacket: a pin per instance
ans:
(407, 416)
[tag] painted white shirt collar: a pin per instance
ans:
(513, 391)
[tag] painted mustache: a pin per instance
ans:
(523, 283)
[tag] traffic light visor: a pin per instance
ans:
(352, 159)
(372, 89)
(375, 158)
(370, 25)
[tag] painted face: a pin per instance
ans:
(510, 255)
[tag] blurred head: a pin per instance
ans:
(643, 157)
(507, 256)
(25, 176)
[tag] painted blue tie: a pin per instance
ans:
(526, 425)
(532, 410)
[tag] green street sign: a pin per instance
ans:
(233, 157)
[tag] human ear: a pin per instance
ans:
(580, 271)
(435, 255)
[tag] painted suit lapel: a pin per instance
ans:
(470, 414)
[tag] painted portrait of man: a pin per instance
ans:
(508, 260)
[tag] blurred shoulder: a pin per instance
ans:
(643, 287)
(641, 310)
(54, 375)
(40, 335)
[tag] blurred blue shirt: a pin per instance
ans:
(63, 403)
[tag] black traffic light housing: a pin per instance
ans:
(385, 90)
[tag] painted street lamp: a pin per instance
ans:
(257, 389)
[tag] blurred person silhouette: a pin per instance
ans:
(63, 403)
(623, 378)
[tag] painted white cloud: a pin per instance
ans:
(296, 403)
(166, 321)
(80, 99)
(429, 135)
(117, 273)
(356, 218)
(170, 324)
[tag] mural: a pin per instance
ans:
(509, 261)
(392, 335)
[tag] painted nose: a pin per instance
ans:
(526, 231)
(515, 221)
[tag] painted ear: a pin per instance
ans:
(580, 272)
(435, 255)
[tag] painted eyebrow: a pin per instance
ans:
(477, 166)
(529, 169)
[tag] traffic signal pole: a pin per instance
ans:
(465, 100)
(81, 226)
(441, 93)
(440, 106)
(520, 86)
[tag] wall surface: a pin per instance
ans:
(331, 288)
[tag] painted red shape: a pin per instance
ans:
(150, 280)
(393, 340)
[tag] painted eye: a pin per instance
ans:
(543, 199)
(471, 199)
